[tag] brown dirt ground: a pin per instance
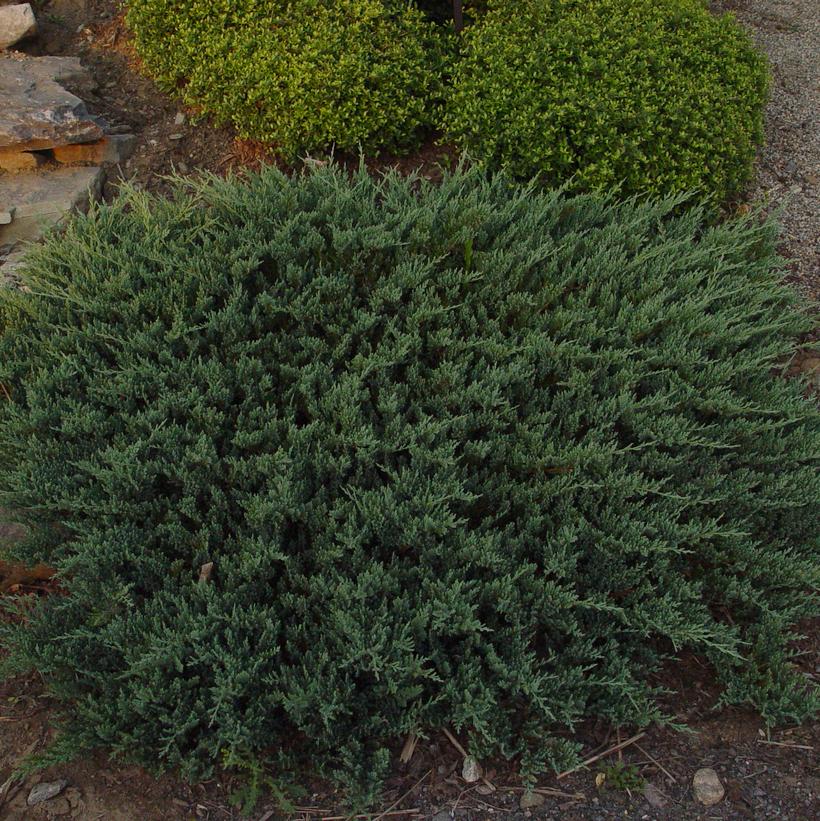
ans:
(766, 777)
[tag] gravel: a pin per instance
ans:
(788, 174)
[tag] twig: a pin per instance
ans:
(391, 813)
(604, 754)
(454, 742)
(577, 796)
(409, 748)
(785, 744)
(657, 764)
(401, 798)
(753, 775)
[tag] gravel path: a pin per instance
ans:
(788, 173)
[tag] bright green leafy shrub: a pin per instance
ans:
(302, 74)
(469, 456)
(655, 96)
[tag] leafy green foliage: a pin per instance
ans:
(620, 776)
(472, 456)
(302, 74)
(653, 96)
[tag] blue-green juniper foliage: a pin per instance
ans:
(466, 455)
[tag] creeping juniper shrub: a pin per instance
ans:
(471, 456)
(654, 96)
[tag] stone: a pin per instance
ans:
(180, 118)
(13, 160)
(36, 112)
(470, 770)
(6, 216)
(45, 791)
(115, 148)
(531, 800)
(707, 787)
(41, 201)
(16, 23)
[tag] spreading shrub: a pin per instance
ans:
(301, 74)
(651, 95)
(468, 456)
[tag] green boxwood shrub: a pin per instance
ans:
(650, 95)
(301, 74)
(468, 456)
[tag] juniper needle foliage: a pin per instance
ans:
(465, 455)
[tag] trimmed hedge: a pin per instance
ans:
(653, 96)
(301, 74)
(471, 456)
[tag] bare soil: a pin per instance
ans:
(765, 776)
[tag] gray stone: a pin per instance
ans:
(45, 791)
(16, 23)
(36, 112)
(471, 770)
(41, 201)
(180, 118)
(707, 787)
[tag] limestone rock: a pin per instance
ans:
(11, 160)
(40, 201)
(36, 112)
(707, 787)
(114, 148)
(16, 23)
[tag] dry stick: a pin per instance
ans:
(454, 742)
(409, 748)
(604, 754)
(785, 744)
(401, 798)
(414, 811)
(576, 796)
(657, 764)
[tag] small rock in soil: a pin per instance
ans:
(180, 118)
(471, 770)
(707, 787)
(45, 791)
(531, 800)
(16, 23)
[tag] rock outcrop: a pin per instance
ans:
(36, 111)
